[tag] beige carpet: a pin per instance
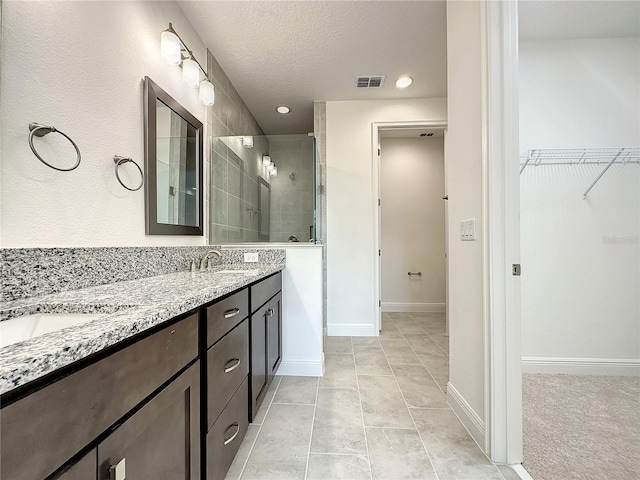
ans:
(581, 427)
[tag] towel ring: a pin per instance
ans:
(40, 131)
(118, 160)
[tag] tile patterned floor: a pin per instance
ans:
(378, 413)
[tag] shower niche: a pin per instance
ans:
(248, 202)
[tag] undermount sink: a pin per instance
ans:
(240, 272)
(26, 327)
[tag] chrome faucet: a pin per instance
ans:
(205, 258)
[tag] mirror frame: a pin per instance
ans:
(153, 93)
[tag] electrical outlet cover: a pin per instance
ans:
(251, 257)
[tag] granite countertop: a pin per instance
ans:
(126, 308)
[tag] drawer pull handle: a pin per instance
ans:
(118, 471)
(228, 369)
(235, 434)
(270, 312)
(231, 313)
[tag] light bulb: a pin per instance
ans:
(207, 94)
(170, 48)
(266, 160)
(190, 73)
(404, 82)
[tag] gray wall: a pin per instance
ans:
(291, 198)
(233, 169)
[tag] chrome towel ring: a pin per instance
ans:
(118, 160)
(40, 131)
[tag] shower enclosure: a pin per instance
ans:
(249, 201)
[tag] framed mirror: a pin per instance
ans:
(173, 165)
(264, 194)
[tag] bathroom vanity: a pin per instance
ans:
(141, 392)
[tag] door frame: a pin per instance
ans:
(501, 222)
(376, 127)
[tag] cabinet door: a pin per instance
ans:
(274, 326)
(83, 469)
(162, 439)
(259, 363)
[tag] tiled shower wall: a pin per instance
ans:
(292, 188)
(232, 195)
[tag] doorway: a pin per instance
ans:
(412, 221)
(393, 131)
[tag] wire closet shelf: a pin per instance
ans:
(580, 156)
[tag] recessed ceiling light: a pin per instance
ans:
(283, 109)
(404, 82)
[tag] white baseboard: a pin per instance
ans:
(414, 307)
(469, 418)
(581, 366)
(521, 472)
(301, 368)
(350, 330)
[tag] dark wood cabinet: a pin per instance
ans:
(84, 469)
(259, 360)
(266, 337)
(83, 405)
(274, 331)
(162, 439)
(225, 437)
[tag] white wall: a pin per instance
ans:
(79, 66)
(412, 219)
(581, 260)
(350, 205)
(579, 93)
(464, 150)
(302, 298)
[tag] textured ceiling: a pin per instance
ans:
(295, 53)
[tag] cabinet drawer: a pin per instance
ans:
(83, 469)
(227, 366)
(225, 437)
(51, 425)
(226, 314)
(263, 291)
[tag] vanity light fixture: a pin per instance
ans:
(247, 142)
(273, 171)
(404, 81)
(175, 52)
(266, 160)
(283, 109)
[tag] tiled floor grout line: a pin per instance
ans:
(364, 428)
(422, 363)
(313, 421)
(438, 385)
(246, 460)
(409, 410)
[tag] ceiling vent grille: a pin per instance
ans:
(371, 81)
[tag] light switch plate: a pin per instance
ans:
(468, 230)
(251, 257)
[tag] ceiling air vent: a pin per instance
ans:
(371, 81)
